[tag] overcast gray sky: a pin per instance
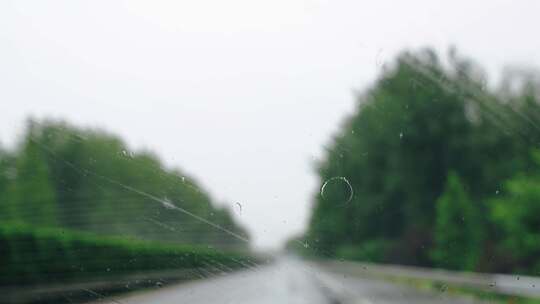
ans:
(240, 94)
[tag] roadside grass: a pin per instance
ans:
(489, 296)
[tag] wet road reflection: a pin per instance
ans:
(286, 281)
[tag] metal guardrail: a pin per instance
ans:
(515, 285)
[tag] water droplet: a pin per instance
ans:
(126, 153)
(338, 179)
(239, 207)
(400, 135)
(497, 191)
(167, 204)
(483, 84)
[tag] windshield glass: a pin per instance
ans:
(269, 152)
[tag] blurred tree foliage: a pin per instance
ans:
(421, 120)
(88, 180)
(517, 213)
(456, 214)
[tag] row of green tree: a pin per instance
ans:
(435, 168)
(59, 175)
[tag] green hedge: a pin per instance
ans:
(30, 255)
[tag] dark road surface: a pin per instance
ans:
(286, 281)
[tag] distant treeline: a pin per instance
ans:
(62, 176)
(444, 171)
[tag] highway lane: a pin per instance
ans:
(286, 281)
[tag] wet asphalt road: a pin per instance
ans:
(286, 281)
